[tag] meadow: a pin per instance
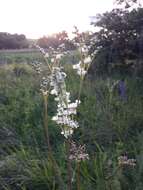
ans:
(110, 127)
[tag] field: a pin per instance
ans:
(27, 56)
(111, 127)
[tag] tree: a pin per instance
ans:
(128, 3)
(55, 40)
(119, 43)
(13, 41)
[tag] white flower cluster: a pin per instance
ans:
(83, 44)
(41, 49)
(82, 67)
(65, 109)
(55, 83)
(44, 85)
(125, 161)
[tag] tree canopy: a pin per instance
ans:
(128, 3)
(56, 40)
(119, 43)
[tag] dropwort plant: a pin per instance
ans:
(53, 83)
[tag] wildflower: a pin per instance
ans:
(64, 119)
(82, 67)
(37, 66)
(47, 55)
(56, 83)
(124, 161)
(84, 49)
(56, 99)
(54, 92)
(67, 132)
(87, 60)
(122, 90)
(41, 50)
(78, 153)
(44, 92)
(77, 66)
(52, 60)
(64, 107)
(59, 56)
(80, 70)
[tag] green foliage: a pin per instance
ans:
(31, 55)
(109, 126)
(26, 168)
(118, 43)
(128, 3)
(19, 56)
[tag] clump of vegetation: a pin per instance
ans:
(40, 147)
(109, 126)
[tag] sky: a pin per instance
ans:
(36, 18)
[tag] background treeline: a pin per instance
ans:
(55, 41)
(19, 41)
(13, 41)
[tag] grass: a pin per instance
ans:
(109, 127)
(28, 56)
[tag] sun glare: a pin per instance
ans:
(36, 18)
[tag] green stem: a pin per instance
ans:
(78, 175)
(69, 184)
(47, 64)
(80, 89)
(46, 122)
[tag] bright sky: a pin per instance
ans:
(36, 18)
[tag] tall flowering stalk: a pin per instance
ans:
(45, 74)
(53, 83)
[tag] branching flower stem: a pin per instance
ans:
(69, 168)
(82, 75)
(65, 109)
(47, 139)
(80, 88)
